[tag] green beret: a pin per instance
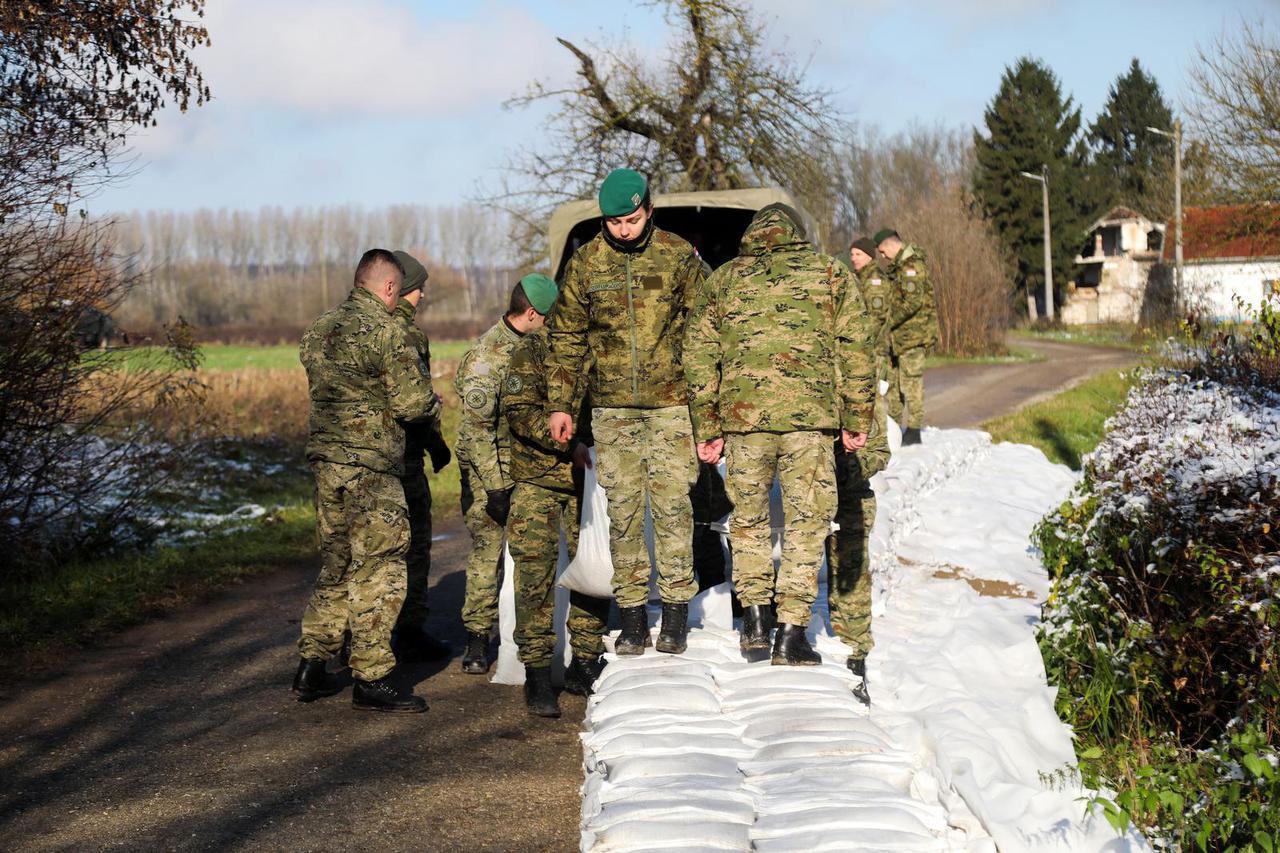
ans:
(622, 192)
(884, 234)
(541, 292)
(415, 274)
(866, 245)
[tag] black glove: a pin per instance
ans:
(440, 455)
(467, 496)
(498, 506)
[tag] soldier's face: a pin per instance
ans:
(629, 227)
(889, 248)
(859, 258)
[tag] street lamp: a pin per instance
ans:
(1043, 178)
(1176, 136)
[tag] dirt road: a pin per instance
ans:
(182, 733)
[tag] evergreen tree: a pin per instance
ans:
(1134, 165)
(1029, 124)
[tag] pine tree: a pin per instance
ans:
(1028, 125)
(1134, 164)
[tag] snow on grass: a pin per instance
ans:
(960, 749)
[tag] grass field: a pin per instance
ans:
(1120, 335)
(1067, 426)
(1015, 355)
(253, 357)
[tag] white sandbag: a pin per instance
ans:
(591, 571)
(838, 772)
(629, 767)
(647, 721)
(763, 708)
(797, 697)
(803, 678)
(508, 669)
(679, 786)
(691, 808)
(655, 678)
(674, 697)
(869, 839)
(673, 743)
(809, 790)
(651, 660)
(712, 608)
(843, 820)
(773, 728)
(819, 748)
(932, 817)
(630, 836)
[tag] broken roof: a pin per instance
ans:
(1229, 231)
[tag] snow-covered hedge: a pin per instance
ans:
(1162, 627)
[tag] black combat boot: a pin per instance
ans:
(791, 647)
(633, 639)
(582, 674)
(674, 636)
(539, 696)
(312, 681)
(382, 695)
(910, 435)
(417, 644)
(754, 640)
(475, 660)
(858, 666)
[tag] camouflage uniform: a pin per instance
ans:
(547, 498)
(914, 328)
(484, 460)
(417, 492)
(625, 309)
(363, 377)
(778, 360)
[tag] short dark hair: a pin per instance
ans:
(519, 302)
(371, 259)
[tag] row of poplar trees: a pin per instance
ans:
(1092, 167)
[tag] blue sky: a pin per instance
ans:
(375, 102)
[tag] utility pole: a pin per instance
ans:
(1176, 136)
(1043, 178)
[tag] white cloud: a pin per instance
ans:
(326, 57)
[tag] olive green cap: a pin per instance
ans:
(866, 245)
(622, 192)
(415, 274)
(541, 292)
(884, 234)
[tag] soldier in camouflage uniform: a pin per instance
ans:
(913, 329)
(484, 457)
(623, 303)
(420, 439)
(547, 499)
(848, 557)
(778, 361)
(365, 384)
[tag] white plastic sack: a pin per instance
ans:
(645, 835)
(591, 572)
(509, 670)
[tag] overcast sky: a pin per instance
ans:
(375, 102)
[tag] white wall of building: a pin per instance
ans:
(1214, 284)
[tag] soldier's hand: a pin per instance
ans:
(440, 455)
(710, 451)
(581, 456)
(561, 427)
(498, 506)
(853, 440)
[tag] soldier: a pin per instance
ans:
(365, 384)
(848, 557)
(623, 303)
(484, 456)
(913, 329)
(547, 499)
(778, 360)
(410, 636)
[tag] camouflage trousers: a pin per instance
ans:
(805, 469)
(533, 534)
(647, 455)
(906, 387)
(364, 534)
(484, 566)
(849, 558)
(417, 497)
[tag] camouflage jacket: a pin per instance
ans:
(914, 318)
(778, 340)
(877, 296)
(535, 456)
(417, 436)
(484, 443)
(626, 311)
(363, 377)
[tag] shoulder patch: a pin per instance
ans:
(514, 384)
(476, 399)
(911, 273)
